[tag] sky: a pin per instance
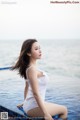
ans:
(22, 19)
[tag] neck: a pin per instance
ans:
(33, 62)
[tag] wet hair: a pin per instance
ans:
(23, 60)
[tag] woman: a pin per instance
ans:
(35, 83)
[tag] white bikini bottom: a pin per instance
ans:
(29, 104)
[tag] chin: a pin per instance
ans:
(39, 57)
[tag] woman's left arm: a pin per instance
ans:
(25, 93)
(25, 90)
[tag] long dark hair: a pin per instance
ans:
(23, 59)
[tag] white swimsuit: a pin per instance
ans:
(30, 101)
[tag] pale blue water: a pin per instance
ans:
(61, 61)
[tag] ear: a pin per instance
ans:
(29, 54)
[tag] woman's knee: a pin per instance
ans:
(56, 109)
(65, 111)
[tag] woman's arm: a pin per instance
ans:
(25, 90)
(32, 75)
(25, 93)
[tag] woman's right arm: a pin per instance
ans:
(32, 75)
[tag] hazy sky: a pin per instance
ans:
(23, 19)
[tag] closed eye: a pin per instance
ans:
(36, 49)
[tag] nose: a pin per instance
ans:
(40, 51)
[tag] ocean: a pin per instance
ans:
(61, 61)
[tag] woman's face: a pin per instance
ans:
(36, 51)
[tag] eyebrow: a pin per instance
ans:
(37, 46)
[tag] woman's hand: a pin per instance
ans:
(20, 105)
(48, 117)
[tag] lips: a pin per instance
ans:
(40, 54)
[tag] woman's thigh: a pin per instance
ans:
(52, 109)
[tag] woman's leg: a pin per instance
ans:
(57, 109)
(52, 108)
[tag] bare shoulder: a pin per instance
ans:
(32, 72)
